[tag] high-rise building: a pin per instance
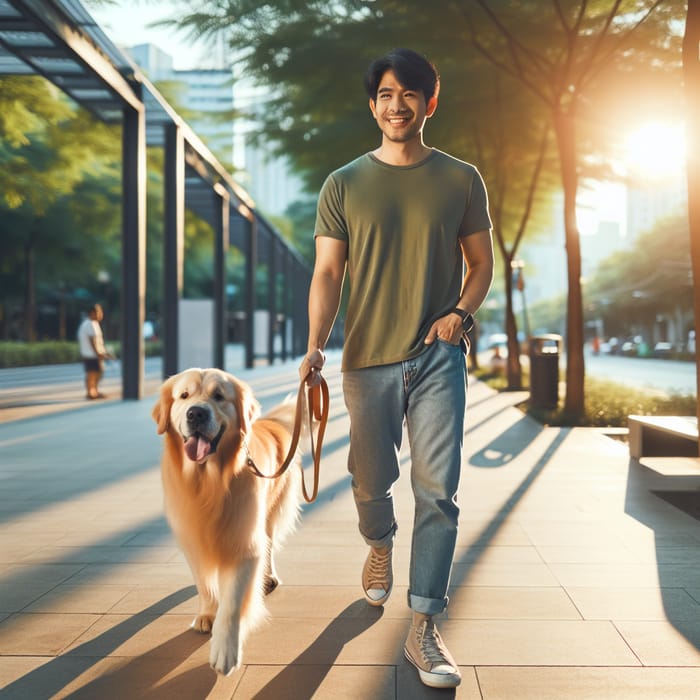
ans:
(213, 96)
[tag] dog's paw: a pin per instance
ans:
(203, 623)
(224, 657)
(271, 582)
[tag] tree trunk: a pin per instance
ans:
(691, 75)
(513, 368)
(564, 127)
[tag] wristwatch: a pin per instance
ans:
(467, 318)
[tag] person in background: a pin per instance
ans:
(404, 221)
(93, 351)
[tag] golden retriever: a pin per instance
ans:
(227, 520)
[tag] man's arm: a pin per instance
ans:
(324, 299)
(477, 250)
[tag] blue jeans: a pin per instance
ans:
(430, 393)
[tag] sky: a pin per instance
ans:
(126, 24)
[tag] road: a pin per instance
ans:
(669, 376)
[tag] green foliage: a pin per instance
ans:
(56, 352)
(18, 354)
(607, 404)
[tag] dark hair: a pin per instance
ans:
(412, 70)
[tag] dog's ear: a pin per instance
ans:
(247, 407)
(161, 411)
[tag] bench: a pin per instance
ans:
(663, 436)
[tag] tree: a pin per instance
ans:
(305, 51)
(47, 149)
(582, 39)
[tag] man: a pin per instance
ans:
(402, 220)
(92, 350)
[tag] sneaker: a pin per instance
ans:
(427, 652)
(377, 577)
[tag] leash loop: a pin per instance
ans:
(315, 399)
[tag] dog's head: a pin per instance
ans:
(205, 408)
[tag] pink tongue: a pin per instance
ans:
(197, 449)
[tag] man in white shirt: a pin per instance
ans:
(92, 350)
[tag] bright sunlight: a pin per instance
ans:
(655, 150)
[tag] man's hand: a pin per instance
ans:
(448, 328)
(311, 366)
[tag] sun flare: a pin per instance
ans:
(655, 150)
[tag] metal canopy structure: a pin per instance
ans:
(59, 39)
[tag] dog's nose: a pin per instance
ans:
(196, 415)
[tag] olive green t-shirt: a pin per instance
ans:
(402, 225)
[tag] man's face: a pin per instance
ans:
(400, 112)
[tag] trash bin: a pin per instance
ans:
(544, 370)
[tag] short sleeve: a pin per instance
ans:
(476, 216)
(330, 214)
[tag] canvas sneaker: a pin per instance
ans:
(425, 649)
(377, 576)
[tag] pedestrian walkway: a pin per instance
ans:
(572, 577)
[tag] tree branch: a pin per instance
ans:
(595, 66)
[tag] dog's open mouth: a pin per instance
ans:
(198, 447)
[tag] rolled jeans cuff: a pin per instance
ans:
(385, 541)
(426, 606)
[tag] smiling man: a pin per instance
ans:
(404, 221)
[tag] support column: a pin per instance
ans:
(221, 242)
(173, 245)
(272, 300)
(133, 250)
(251, 264)
(286, 294)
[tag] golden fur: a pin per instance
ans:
(227, 520)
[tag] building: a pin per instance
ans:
(214, 95)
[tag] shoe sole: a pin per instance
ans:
(434, 680)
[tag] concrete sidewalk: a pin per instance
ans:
(572, 578)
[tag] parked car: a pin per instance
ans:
(663, 349)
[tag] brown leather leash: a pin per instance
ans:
(316, 399)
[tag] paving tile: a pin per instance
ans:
(15, 597)
(663, 643)
(635, 603)
(330, 602)
(569, 554)
(496, 574)
(410, 687)
(24, 633)
(356, 641)
(511, 603)
(143, 597)
(318, 681)
(588, 683)
(134, 635)
(78, 599)
(536, 643)
(606, 575)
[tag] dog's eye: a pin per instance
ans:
(218, 396)
(184, 394)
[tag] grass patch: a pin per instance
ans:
(606, 404)
(55, 352)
